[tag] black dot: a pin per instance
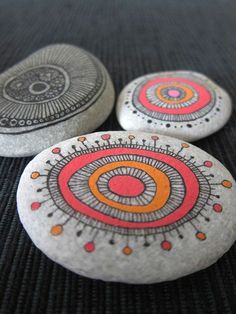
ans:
(78, 233)
(207, 120)
(39, 190)
(207, 219)
(112, 242)
(134, 111)
(181, 236)
(168, 125)
(50, 214)
(217, 109)
(146, 244)
(220, 97)
(189, 125)
(126, 102)
(149, 121)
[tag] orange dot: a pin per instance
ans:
(201, 236)
(56, 230)
(82, 139)
(131, 137)
(185, 145)
(127, 250)
(35, 175)
(226, 184)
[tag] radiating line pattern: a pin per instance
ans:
(174, 97)
(128, 187)
(50, 86)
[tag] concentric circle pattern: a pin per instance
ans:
(128, 187)
(50, 86)
(40, 84)
(173, 98)
(165, 191)
(183, 104)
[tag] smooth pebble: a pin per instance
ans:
(58, 92)
(183, 104)
(128, 206)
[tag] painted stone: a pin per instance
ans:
(186, 105)
(58, 92)
(129, 207)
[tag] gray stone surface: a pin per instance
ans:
(183, 104)
(57, 93)
(128, 206)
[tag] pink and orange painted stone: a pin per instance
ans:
(133, 207)
(182, 104)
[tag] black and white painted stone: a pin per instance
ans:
(183, 104)
(128, 206)
(56, 93)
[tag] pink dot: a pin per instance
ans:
(89, 247)
(155, 138)
(173, 93)
(208, 163)
(217, 208)
(106, 137)
(166, 245)
(56, 150)
(125, 185)
(35, 205)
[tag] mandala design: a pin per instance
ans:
(173, 99)
(128, 188)
(39, 84)
(50, 86)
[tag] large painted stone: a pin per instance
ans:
(182, 104)
(130, 207)
(59, 92)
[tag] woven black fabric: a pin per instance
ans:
(131, 37)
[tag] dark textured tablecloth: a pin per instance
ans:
(131, 37)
